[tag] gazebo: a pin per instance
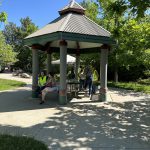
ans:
(73, 33)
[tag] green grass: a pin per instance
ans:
(10, 84)
(131, 86)
(8, 142)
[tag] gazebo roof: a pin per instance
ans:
(72, 25)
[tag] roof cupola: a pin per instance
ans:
(72, 7)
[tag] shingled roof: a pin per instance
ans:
(73, 21)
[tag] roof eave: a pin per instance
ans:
(69, 36)
(87, 38)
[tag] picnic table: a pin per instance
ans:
(73, 86)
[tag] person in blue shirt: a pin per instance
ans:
(89, 78)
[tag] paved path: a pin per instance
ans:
(121, 124)
(10, 77)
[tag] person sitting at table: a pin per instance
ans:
(50, 86)
(95, 80)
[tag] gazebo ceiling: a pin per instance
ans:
(74, 27)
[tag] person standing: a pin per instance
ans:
(89, 77)
(71, 74)
(81, 78)
(95, 79)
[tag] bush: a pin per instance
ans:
(130, 86)
(8, 142)
(144, 81)
(131, 74)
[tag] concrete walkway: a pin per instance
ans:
(11, 77)
(122, 124)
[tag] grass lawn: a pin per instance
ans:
(8, 142)
(139, 87)
(10, 84)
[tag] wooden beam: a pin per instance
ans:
(105, 46)
(38, 46)
(47, 48)
(78, 49)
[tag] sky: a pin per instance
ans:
(41, 12)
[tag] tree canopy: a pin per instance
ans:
(137, 8)
(130, 29)
(14, 36)
(7, 56)
(3, 16)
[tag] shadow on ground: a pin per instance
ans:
(21, 100)
(116, 127)
(98, 126)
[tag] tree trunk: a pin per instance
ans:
(116, 74)
(117, 45)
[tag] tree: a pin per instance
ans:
(114, 18)
(7, 56)
(139, 7)
(114, 12)
(134, 41)
(3, 16)
(12, 34)
(130, 32)
(15, 35)
(91, 9)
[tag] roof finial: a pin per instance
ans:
(72, 2)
